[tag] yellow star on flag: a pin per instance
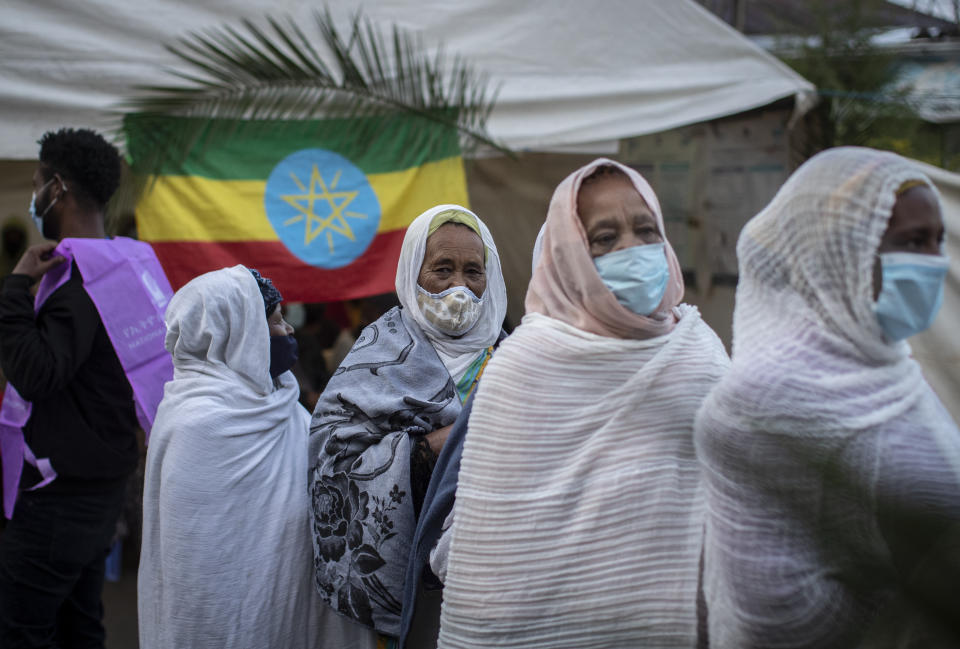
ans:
(314, 224)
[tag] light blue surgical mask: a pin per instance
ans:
(911, 293)
(37, 221)
(38, 218)
(637, 276)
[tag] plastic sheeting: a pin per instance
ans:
(572, 72)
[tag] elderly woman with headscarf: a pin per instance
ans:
(387, 410)
(833, 470)
(578, 515)
(226, 559)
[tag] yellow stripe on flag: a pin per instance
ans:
(232, 210)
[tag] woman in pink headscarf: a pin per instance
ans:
(579, 513)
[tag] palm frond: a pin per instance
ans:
(278, 73)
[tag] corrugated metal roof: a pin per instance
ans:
(800, 16)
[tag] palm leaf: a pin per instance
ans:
(238, 77)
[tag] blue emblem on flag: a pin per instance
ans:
(321, 207)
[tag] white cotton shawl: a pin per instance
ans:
(578, 517)
(819, 425)
(456, 353)
(226, 560)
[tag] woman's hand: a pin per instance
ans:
(437, 438)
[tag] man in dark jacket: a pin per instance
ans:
(83, 418)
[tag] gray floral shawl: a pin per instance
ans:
(391, 386)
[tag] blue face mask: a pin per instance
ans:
(637, 276)
(38, 218)
(283, 354)
(911, 293)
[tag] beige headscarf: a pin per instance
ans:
(566, 285)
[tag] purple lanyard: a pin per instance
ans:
(130, 291)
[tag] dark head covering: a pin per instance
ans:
(271, 296)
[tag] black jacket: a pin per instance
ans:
(62, 360)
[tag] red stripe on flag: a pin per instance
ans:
(370, 274)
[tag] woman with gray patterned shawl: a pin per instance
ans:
(384, 416)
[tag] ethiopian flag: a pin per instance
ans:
(303, 203)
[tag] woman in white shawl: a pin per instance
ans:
(385, 414)
(833, 471)
(578, 513)
(226, 560)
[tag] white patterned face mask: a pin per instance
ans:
(453, 311)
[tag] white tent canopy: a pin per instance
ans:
(573, 73)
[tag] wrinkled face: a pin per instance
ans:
(454, 257)
(277, 325)
(915, 225)
(615, 216)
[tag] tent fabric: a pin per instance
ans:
(568, 75)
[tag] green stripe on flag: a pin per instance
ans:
(254, 149)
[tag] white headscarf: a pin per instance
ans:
(456, 353)
(227, 441)
(216, 328)
(806, 287)
(820, 424)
